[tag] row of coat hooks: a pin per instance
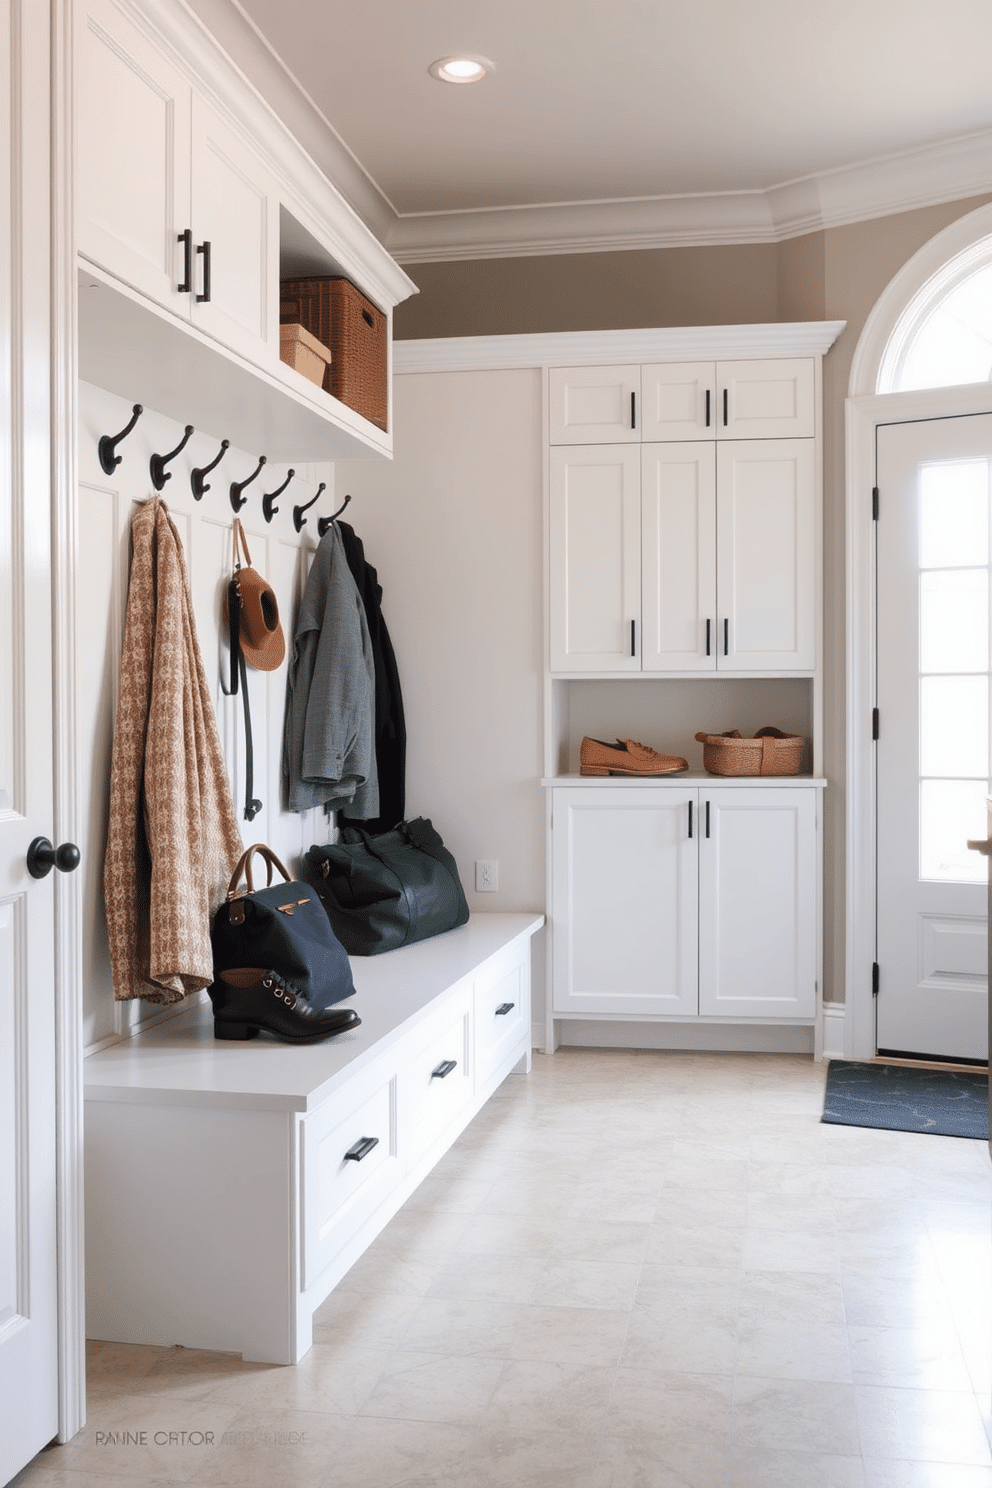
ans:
(110, 459)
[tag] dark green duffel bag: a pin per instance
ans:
(387, 890)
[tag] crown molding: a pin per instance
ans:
(949, 171)
(575, 348)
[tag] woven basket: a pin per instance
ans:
(341, 317)
(770, 752)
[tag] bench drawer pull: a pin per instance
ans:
(504, 1008)
(361, 1149)
(444, 1069)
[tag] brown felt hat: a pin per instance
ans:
(262, 641)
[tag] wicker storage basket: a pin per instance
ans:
(303, 352)
(770, 752)
(341, 317)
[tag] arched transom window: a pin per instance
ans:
(944, 336)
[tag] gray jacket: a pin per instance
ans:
(329, 752)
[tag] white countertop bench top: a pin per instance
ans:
(179, 1062)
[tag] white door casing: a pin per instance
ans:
(933, 554)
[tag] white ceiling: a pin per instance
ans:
(730, 120)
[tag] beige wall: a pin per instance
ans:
(834, 274)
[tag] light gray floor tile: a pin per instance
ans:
(635, 1269)
(922, 1425)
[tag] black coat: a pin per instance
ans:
(390, 726)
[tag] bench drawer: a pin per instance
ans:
(439, 1077)
(502, 1018)
(349, 1161)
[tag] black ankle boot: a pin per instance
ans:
(248, 999)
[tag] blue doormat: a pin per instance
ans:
(897, 1098)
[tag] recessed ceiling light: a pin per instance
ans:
(463, 69)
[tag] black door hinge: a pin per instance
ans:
(874, 503)
(874, 723)
(874, 978)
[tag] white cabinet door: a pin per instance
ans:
(624, 901)
(679, 401)
(235, 210)
(132, 156)
(766, 555)
(595, 578)
(595, 405)
(757, 902)
(678, 560)
(766, 399)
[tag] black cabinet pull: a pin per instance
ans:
(726, 637)
(504, 1008)
(707, 818)
(186, 238)
(444, 1069)
(726, 416)
(707, 638)
(633, 410)
(204, 248)
(707, 408)
(633, 637)
(361, 1149)
(690, 818)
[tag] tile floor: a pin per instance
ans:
(633, 1270)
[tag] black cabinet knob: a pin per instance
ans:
(43, 857)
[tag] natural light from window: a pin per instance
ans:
(949, 344)
(954, 666)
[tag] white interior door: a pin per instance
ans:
(935, 483)
(28, 1279)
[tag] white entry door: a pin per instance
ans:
(933, 534)
(28, 1278)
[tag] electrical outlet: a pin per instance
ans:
(486, 875)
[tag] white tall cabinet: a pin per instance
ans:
(684, 593)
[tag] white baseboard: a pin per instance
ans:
(833, 1030)
(747, 1038)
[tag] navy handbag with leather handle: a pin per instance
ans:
(388, 890)
(283, 928)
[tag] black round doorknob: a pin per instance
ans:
(43, 857)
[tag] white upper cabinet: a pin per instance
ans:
(234, 210)
(132, 156)
(771, 398)
(595, 579)
(766, 555)
(683, 558)
(595, 405)
(171, 200)
(192, 201)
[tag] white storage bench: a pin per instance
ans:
(229, 1186)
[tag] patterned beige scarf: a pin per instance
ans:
(173, 838)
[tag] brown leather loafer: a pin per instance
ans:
(626, 757)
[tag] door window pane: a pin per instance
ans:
(954, 620)
(954, 726)
(954, 513)
(951, 811)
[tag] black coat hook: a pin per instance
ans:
(109, 461)
(198, 484)
(299, 520)
(269, 507)
(237, 500)
(325, 522)
(157, 463)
